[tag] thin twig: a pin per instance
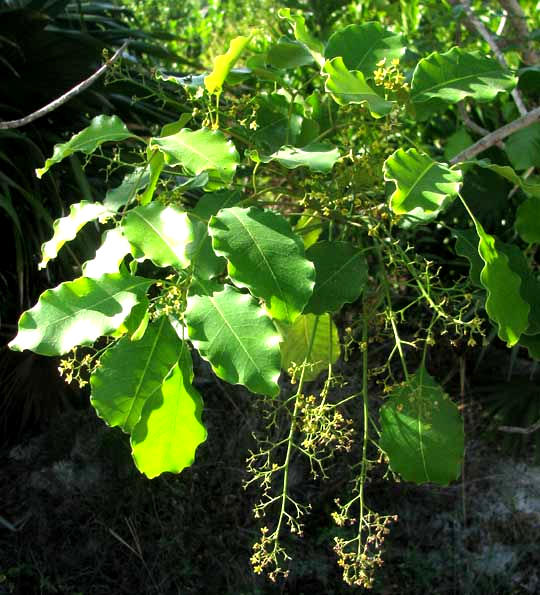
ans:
(517, 430)
(498, 135)
(6, 125)
(519, 23)
(473, 126)
(488, 37)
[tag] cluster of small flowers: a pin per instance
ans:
(172, 300)
(268, 553)
(389, 76)
(73, 369)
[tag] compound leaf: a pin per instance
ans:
(131, 372)
(266, 256)
(235, 335)
(422, 431)
(102, 129)
(160, 233)
(325, 349)
(424, 187)
(341, 275)
(170, 428)
(223, 64)
(78, 312)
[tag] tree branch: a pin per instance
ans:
(488, 37)
(6, 125)
(519, 23)
(472, 125)
(498, 135)
(517, 430)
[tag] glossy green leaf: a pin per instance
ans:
(102, 129)
(504, 303)
(206, 263)
(235, 335)
(131, 372)
(302, 34)
(363, 46)
(66, 228)
(325, 350)
(135, 325)
(528, 220)
(200, 150)
(340, 276)
(467, 246)
(223, 64)
(422, 431)
(287, 53)
(160, 233)
(109, 255)
(309, 228)
(350, 86)
(319, 157)
(78, 312)
(170, 428)
(424, 187)
(156, 165)
(523, 147)
(132, 183)
(456, 75)
(266, 256)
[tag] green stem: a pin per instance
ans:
(363, 471)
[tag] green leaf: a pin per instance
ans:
(296, 340)
(341, 275)
(422, 431)
(287, 53)
(66, 228)
(206, 263)
(200, 150)
(319, 157)
(424, 187)
(223, 64)
(128, 189)
(266, 256)
(504, 303)
(349, 86)
(523, 147)
(363, 46)
(279, 122)
(309, 228)
(156, 164)
(160, 233)
(78, 312)
(131, 372)
(235, 335)
(102, 129)
(529, 186)
(455, 75)
(301, 33)
(170, 428)
(457, 142)
(532, 344)
(467, 246)
(109, 255)
(528, 220)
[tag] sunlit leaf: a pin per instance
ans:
(422, 431)
(298, 22)
(319, 157)
(237, 337)
(223, 64)
(266, 256)
(132, 183)
(109, 255)
(170, 428)
(78, 312)
(325, 349)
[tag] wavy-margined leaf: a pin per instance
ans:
(529, 186)
(424, 187)
(527, 222)
(532, 344)
(341, 275)
(170, 428)
(288, 53)
(132, 183)
(422, 431)
(131, 372)
(78, 312)
(160, 233)
(363, 46)
(325, 349)
(235, 335)
(66, 228)
(467, 246)
(109, 255)
(102, 129)
(135, 325)
(455, 75)
(266, 256)
(319, 157)
(201, 150)
(350, 86)
(206, 263)
(298, 23)
(504, 303)
(223, 64)
(523, 147)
